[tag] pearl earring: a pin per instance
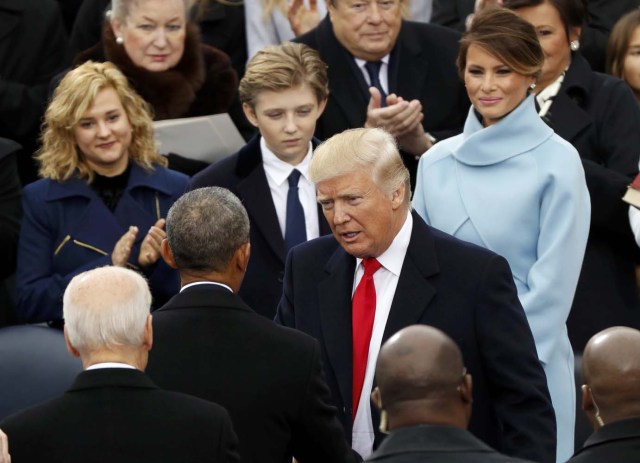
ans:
(119, 40)
(575, 45)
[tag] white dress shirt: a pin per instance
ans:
(386, 282)
(384, 72)
(100, 366)
(278, 173)
(196, 283)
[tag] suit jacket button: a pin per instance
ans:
(280, 276)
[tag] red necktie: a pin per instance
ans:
(363, 311)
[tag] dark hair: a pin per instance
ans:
(506, 36)
(619, 42)
(573, 13)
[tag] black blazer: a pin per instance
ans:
(600, 117)
(617, 442)
(208, 343)
(462, 289)
(120, 415)
(431, 444)
(422, 67)
(452, 13)
(243, 174)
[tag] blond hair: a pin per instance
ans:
(284, 66)
(59, 156)
(355, 150)
(120, 9)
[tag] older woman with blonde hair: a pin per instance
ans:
(103, 195)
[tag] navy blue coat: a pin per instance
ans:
(67, 229)
(243, 174)
(462, 289)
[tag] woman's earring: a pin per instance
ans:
(532, 86)
(119, 40)
(575, 45)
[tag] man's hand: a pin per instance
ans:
(301, 18)
(401, 118)
(398, 118)
(4, 448)
(122, 249)
(150, 247)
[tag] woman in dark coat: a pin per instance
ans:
(597, 114)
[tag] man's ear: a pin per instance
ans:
(72, 350)
(321, 105)
(148, 333)
(250, 114)
(243, 254)
(376, 398)
(398, 196)
(466, 389)
(167, 254)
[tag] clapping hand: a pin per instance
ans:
(150, 247)
(301, 18)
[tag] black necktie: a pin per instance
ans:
(295, 231)
(373, 68)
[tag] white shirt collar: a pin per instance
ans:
(280, 170)
(393, 258)
(362, 62)
(99, 366)
(205, 283)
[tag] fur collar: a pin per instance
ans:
(170, 93)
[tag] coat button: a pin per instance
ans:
(280, 276)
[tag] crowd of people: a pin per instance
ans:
(424, 226)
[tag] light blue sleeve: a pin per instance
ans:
(565, 213)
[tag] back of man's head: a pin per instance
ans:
(105, 309)
(422, 380)
(205, 228)
(611, 372)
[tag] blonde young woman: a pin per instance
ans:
(103, 195)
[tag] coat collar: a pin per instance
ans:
(619, 430)
(138, 178)
(429, 438)
(111, 377)
(205, 296)
(519, 132)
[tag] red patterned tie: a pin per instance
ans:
(363, 311)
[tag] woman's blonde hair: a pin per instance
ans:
(59, 156)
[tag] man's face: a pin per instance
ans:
(363, 218)
(367, 28)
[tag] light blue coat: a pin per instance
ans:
(519, 189)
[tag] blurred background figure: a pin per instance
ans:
(103, 195)
(5, 457)
(33, 49)
(599, 116)
(601, 16)
(611, 397)
(467, 188)
(424, 395)
(10, 218)
(623, 53)
(113, 411)
(221, 26)
(159, 50)
(270, 22)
